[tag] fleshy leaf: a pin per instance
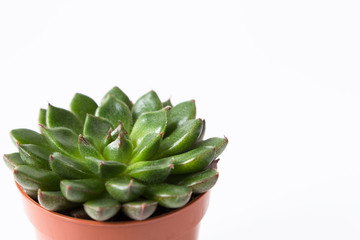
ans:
(139, 210)
(213, 164)
(167, 103)
(118, 94)
(119, 129)
(105, 169)
(151, 122)
(181, 139)
(54, 201)
(168, 195)
(86, 149)
(193, 161)
(124, 189)
(114, 110)
(218, 143)
(42, 117)
(58, 117)
(147, 148)
(13, 160)
(82, 105)
(96, 130)
(63, 139)
(35, 155)
(27, 136)
(202, 134)
(81, 190)
(119, 150)
(151, 171)
(68, 168)
(202, 181)
(180, 114)
(102, 209)
(33, 178)
(149, 102)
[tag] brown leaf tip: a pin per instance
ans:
(83, 140)
(109, 134)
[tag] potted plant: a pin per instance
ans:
(116, 170)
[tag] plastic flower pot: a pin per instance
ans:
(179, 224)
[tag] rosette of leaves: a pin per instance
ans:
(116, 156)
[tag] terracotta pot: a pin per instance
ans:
(180, 224)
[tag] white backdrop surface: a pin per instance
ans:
(279, 78)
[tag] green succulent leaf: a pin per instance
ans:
(218, 143)
(27, 136)
(86, 149)
(179, 114)
(118, 94)
(181, 139)
(168, 195)
(13, 160)
(105, 169)
(42, 117)
(147, 148)
(167, 103)
(119, 150)
(151, 171)
(33, 178)
(114, 110)
(54, 201)
(213, 164)
(81, 105)
(124, 189)
(67, 167)
(113, 134)
(35, 155)
(151, 122)
(102, 209)
(96, 129)
(202, 133)
(63, 139)
(149, 102)
(202, 181)
(193, 161)
(119, 129)
(139, 210)
(81, 190)
(58, 117)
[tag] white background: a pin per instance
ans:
(279, 78)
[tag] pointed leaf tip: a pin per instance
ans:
(59, 117)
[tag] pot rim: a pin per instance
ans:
(110, 224)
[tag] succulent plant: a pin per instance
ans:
(116, 156)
